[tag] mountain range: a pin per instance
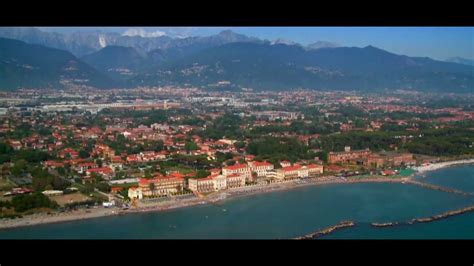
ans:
(36, 66)
(83, 43)
(235, 60)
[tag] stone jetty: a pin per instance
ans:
(384, 224)
(435, 187)
(426, 219)
(326, 231)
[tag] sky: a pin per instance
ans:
(436, 42)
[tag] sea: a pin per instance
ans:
(292, 213)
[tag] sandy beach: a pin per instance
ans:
(221, 196)
(436, 166)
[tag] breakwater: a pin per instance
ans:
(326, 231)
(426, 219)
(440, 188)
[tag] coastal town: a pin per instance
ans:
(115, 151)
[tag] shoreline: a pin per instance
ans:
(441, 165)
(83, 214)
(216, 197)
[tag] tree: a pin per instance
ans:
(83, 154)
(159, 145)
(151, 186)
(19, 167)
(23, 203)
(96, 177)
(239, 144)
(148, 173)
(190, 146)
(179, 188)
(202, 173)
(61, 171)
(104, 187)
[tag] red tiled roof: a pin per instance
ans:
(53, 163)
(87, 164)
(291, 168)
(257, 164)
(116, 189)
(102, 170)
(236, 167)
(314, 166)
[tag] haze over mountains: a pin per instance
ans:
(460, 60)
(222, 61)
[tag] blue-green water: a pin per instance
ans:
(288, 214)
(459, 177)
(455, 227)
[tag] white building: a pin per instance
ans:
(241, 169)
(260, 168)
(216, 183)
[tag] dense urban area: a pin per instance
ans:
(124, 149)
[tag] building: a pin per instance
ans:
(348, 156)
(398, 159)
(260, 168)
(315, 169)
(216, 183)
(392, 159)
(299, 171)
(235, 180)
(68, 152)
(53, 164)
(52, 192)
(116, 162)
(160, 186)
(105, 172)
(135, 193)
(207, 184)
(83, 167)
(241, 169)
(291, 172)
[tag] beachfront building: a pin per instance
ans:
(299, 171)
(160, 185)
(260, 168)
(392, 159)
(235, 180)
(135, 193)
(241, 169)
(207, 184)
(216, 183)
(348, 156)
(315, 169)
(398, 159)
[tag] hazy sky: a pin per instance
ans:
(435, 42)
